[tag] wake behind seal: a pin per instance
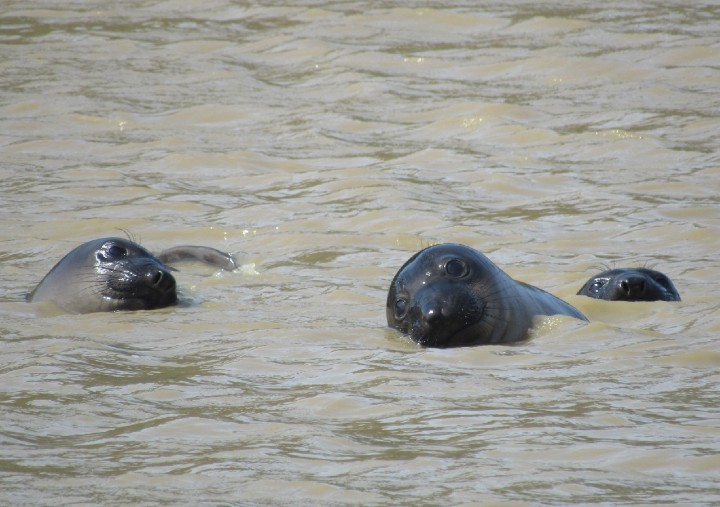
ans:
(110, 274)
(450, 295)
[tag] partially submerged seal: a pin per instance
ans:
(450, 295)
(630, 284)
(110, 274)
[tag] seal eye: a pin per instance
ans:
(111, 253)
(598, 284)
(117, 252)
(456, 268)
(400, 308)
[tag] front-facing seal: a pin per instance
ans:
(630, 284)
(450, 295)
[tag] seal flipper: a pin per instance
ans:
(549, 304)
(204, 254)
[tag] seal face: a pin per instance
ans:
(107, 274)
(450, 295)
(630, 284)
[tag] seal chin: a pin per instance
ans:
(447, 333)
(667, 296)
(140, 303)
(437, 340)
(659, 294)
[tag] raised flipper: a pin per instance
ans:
(203, 254)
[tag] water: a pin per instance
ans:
(324, 143)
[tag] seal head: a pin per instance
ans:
(450, 295)
(630, 284)
(107, 274)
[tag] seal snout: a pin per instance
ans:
(439, 312)
(431, 310)
(159, 284)
(632, 286)
(157, 277)
(141, 283)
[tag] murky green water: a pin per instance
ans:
(324, 143)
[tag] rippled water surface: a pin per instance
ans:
(323, 144)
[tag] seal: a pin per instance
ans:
(630, 284)
(204, 254)
(450, 295)
(110, 274)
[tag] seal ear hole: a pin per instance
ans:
(400, 308)
(456, 268)
(661, 279)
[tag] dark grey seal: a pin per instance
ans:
(451, 295)
(110, 274)
(630, 284)
(204, 254)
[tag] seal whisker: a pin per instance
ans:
(131, 236)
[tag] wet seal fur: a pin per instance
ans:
(630, 284)
(450, 295)
(110, 274)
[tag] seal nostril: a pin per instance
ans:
(432, 315)
(632, 286)
(156, 278)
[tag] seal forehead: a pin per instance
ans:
(114, 250)
(132, 247)
(612, 273)
(615, 272)
(421, 270)
(436, 256)
(439, 261)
